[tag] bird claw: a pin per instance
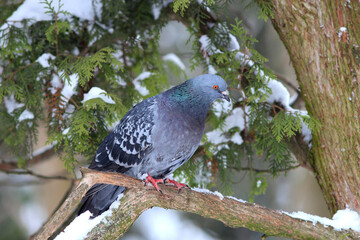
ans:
(154, 182)
(179, 186)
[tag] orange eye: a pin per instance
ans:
(216, 87)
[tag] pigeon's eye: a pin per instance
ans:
(216, 87)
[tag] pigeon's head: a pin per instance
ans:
(211, 86)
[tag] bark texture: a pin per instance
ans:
(231, 212)
(323, 38)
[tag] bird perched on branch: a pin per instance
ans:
(154, 138)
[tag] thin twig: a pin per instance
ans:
(44, 155)
(265, 170)
(31, 173)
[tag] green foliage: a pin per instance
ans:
(265, 8)
(181, 5)
(109, 52)
(258, 186)
(13, 41)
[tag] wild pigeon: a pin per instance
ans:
(154, 138)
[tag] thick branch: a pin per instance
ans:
(231, 212)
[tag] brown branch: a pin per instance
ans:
(266, 170)
(31, 173)
(231, 212)
(46, 154)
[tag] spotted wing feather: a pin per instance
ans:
(128, 144)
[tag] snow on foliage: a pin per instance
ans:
(69, 88)
(235, 119)
(279, 93)
(35, 9)
(11, 104)
(137, 83)
(26, 114)
(175, 59)
(43, 60)
(96, 92)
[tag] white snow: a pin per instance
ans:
(44, 59)
(175, 59)
(211, 69)
(69, 88)
(55, 82)
(26, 114)
(342, 219)
(120, 81)
(156, 10)
(222, 107)
(82, 225)
(235, 119)
(342, 30)
(66, 130)
(216, 193)
(96, 92)
(206, 45)
(279, 93)
(137, 83)
(236, 199)
(208, 192)
(11, 104)
(34, 9)
(233, 44)
(41, 150)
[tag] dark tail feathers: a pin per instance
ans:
(99, 198)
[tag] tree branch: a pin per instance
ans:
(231, 212)
(31, 173)
(37, 156)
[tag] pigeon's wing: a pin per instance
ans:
(129, 142)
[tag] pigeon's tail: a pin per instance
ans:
(99, 198)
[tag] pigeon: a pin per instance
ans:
(154, 138)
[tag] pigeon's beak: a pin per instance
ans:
(225, 95)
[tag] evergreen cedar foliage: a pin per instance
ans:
(113, 49)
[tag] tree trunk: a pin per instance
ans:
(323, 38)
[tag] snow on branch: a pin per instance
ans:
(232, 212)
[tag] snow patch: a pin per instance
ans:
(211, 69)
(208, 192)
(96, 92)
(69, 88)
(342, 30)
(82, 225)
(43, 60)
(137, 83)
(222, 107)
(35, 9)
(26, 114)
(342, 219)
(235, 119)
(233, 44)
(175, 59)
(216, 193)
(11, 104)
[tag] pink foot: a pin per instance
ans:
(154, 182)
(178, 185)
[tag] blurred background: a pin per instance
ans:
(26, 201)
